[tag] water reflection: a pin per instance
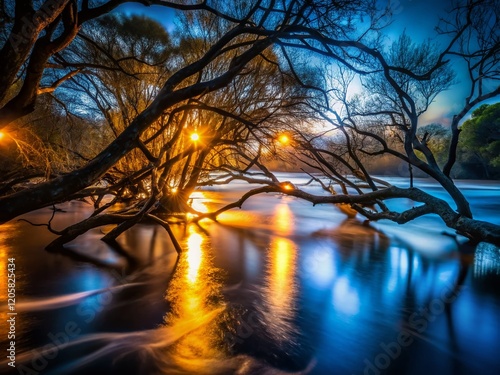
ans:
(194, 255)
(195, 297)
(283, 220)
(345, 297)
(304, 288)
(280, 290)
(279, 293)
(486, 260)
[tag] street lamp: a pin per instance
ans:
(287, 186)
(284, 139)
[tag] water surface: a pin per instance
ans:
(277, 287)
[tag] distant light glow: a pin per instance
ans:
(284, 139)
(195, 137)
(2, 135)
(174, 190)
(288, 187)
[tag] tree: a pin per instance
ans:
(401, 85)
(438, 138)
(480, 139)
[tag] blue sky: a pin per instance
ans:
(417, 17)
(162, 14)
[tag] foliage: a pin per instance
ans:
(438, 138)
(480, 139)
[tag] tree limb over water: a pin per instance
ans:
(244, 86)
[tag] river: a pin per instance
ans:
(277, 287)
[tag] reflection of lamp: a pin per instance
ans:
(194, 256)
(195, 137)
(280, 290)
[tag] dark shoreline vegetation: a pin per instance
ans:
(113, 120)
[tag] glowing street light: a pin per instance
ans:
(195, 137)
(284, 139)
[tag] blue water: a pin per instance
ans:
(276, 287)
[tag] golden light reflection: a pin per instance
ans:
(281, 291)
(198, 199)
(2, 135)
(195, 137)
(282, 272)
(283, 220)
(196, 299)
(194, 255)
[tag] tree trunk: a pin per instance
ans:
(27, 26)
(61, 188)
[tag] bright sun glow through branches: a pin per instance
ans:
(284, 139)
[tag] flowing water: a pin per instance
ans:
(277, 287)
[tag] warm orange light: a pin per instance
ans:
(174, 190)
(194, 256)
(195, 137)
(280, 291)
(284, 139)
(288, 186)
(2, 134)
(198, 201)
